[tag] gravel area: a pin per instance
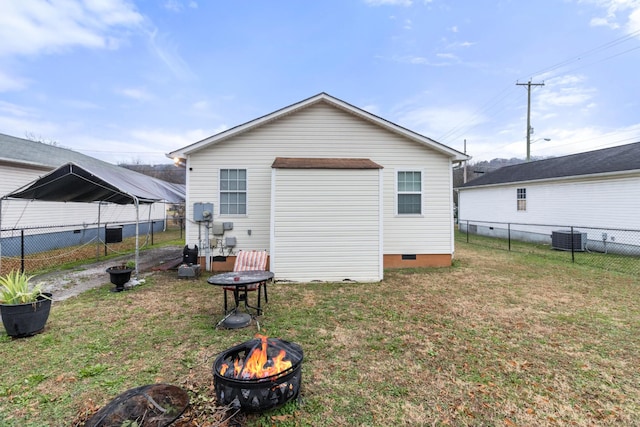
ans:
(64, 284)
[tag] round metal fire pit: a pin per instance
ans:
(154, 405)
(235, 387)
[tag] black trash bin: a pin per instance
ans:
(113, 234)
(190, 254)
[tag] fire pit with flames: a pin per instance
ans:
(259, 374)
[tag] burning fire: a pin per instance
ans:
(257, 364)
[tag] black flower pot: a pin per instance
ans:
(119, 276)
(24, 320)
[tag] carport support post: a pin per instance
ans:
(98, 232)
(1, 234)
(137, 203)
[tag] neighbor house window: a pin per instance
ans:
(409, 186)
(233, 191)
(522, 199)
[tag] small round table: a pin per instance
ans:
(239, 280)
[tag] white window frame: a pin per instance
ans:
(521, 202)
(246, 192)
(421, 192)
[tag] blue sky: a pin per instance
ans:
(128, 81)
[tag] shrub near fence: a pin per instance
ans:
(611, 249)
(39, 249)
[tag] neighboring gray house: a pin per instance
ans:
(596, 190)
(333, 192)
(23, 161)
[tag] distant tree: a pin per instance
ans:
(32, 137)
(165, 172)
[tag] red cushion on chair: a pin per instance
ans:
(251, 260)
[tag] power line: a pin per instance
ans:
(460, 129)
(590, 52)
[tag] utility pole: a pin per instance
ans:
(528, 85)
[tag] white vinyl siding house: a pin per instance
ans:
(585, 202)
(598, 191)
(323, 127)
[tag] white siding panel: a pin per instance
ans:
(325, 131)
(605, 202)
(326, 225)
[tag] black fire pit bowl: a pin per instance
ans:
(258, 395)
(155, 405)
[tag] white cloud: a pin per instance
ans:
(167, 51)
(458, 45)
(178, 5)
(39, 26)
(618, 13)
(19, 122)
(10, 83)
(603, 22)
(634, 21)
(201, 106)
(436, 121)
(445, 60)
(389, 2)
(135, 93)
(565, 91)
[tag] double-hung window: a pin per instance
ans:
(233, 191)
(409, 196)
(522, 199)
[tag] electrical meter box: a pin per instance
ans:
(202, 212)
(218, 229)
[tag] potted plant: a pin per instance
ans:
(24, 307)
(121, 274)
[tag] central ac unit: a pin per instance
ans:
(564, 240)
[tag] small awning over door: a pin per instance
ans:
(326, 220)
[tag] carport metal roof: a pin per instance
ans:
(75, 183)
(100, 183)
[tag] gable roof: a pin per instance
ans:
(624, 158)
(328, 99)
(75, 177)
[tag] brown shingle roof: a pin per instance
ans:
(323, 163)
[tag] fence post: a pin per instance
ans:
(152, 232)
(573, 257)
(509, 235)
(467, 231)
(22, 250)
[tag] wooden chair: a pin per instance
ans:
(249, 261)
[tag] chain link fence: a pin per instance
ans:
(613, 249)
(39, 249)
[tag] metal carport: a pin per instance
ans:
(99, 182)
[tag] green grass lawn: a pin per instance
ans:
(499, 339)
